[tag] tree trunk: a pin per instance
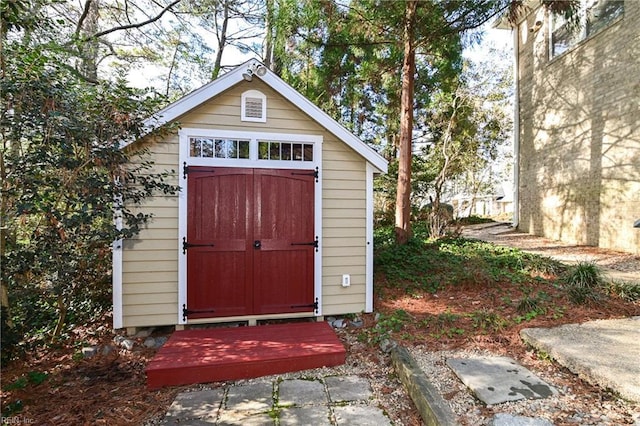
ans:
(222, 40)
(403, 202)
(62, 317)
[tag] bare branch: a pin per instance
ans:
(137, 25)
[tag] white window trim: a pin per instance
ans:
(243, 106)
(253, 162)
(583, 36)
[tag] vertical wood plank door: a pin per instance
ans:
(284, 225)
(220, 212)
(250, 234)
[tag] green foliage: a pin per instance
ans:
(388, 324)
(626, 291)
(31, 378)
(443, 324)
(584, 283)
(65, 179)
(488, 320)
(430, 264)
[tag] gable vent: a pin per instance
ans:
(254, 106)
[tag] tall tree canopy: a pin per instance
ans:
(373, 64)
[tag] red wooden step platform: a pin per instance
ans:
(220, 354)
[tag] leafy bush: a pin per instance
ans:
(64, 180)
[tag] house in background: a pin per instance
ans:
(274, 218)
(577, 124)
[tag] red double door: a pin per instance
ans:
(250, 242)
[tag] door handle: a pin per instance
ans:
(257, 244)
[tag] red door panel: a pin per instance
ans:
(219, 278)
(284, 213)
(232, 209)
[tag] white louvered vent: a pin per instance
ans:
(254, 106)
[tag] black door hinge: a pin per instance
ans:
(186, 312)
(187, 169)
(315, 174)
(315, 243)
(186, 245)
(313, 305)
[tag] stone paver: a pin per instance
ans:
(348, 388)
(502, 419)
(255, 397)
(338, 400)
(301, 392)
(312, 415)
(360, 415)
(495, 380)
(196, 405)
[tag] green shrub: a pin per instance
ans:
(584, 282)
(626, 291)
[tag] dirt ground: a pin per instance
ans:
(110, 389)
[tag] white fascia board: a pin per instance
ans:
(326, 121)
(212, 89)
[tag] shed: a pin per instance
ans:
(274, 218)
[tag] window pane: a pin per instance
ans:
(221, 148)
(232, 149)
(243, 150)
(194, 147)
(297, 152)
(274, 150)
(207, 147)
(263, 150)
(602, 13)
(308, 152)
(286, 151)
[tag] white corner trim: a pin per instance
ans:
(116, 280)
(369, 239)
(317, 222)
(116, 272)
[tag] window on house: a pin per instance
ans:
(285, 151)
(219, 148)
(593, 16)
(253, 106)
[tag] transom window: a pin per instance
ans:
(241, 148)
(593, 16)
(219, 148)
(285, 151)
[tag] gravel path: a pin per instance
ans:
(572, 406)
(576, 403)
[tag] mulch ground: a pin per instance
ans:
(111, 389)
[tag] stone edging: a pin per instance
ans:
(433, 409)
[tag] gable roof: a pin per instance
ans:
(235, 76)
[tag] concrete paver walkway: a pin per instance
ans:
(334, 400)
(603, 352)
(498, 379)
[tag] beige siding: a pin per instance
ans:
(580, 135)
(150, 261)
